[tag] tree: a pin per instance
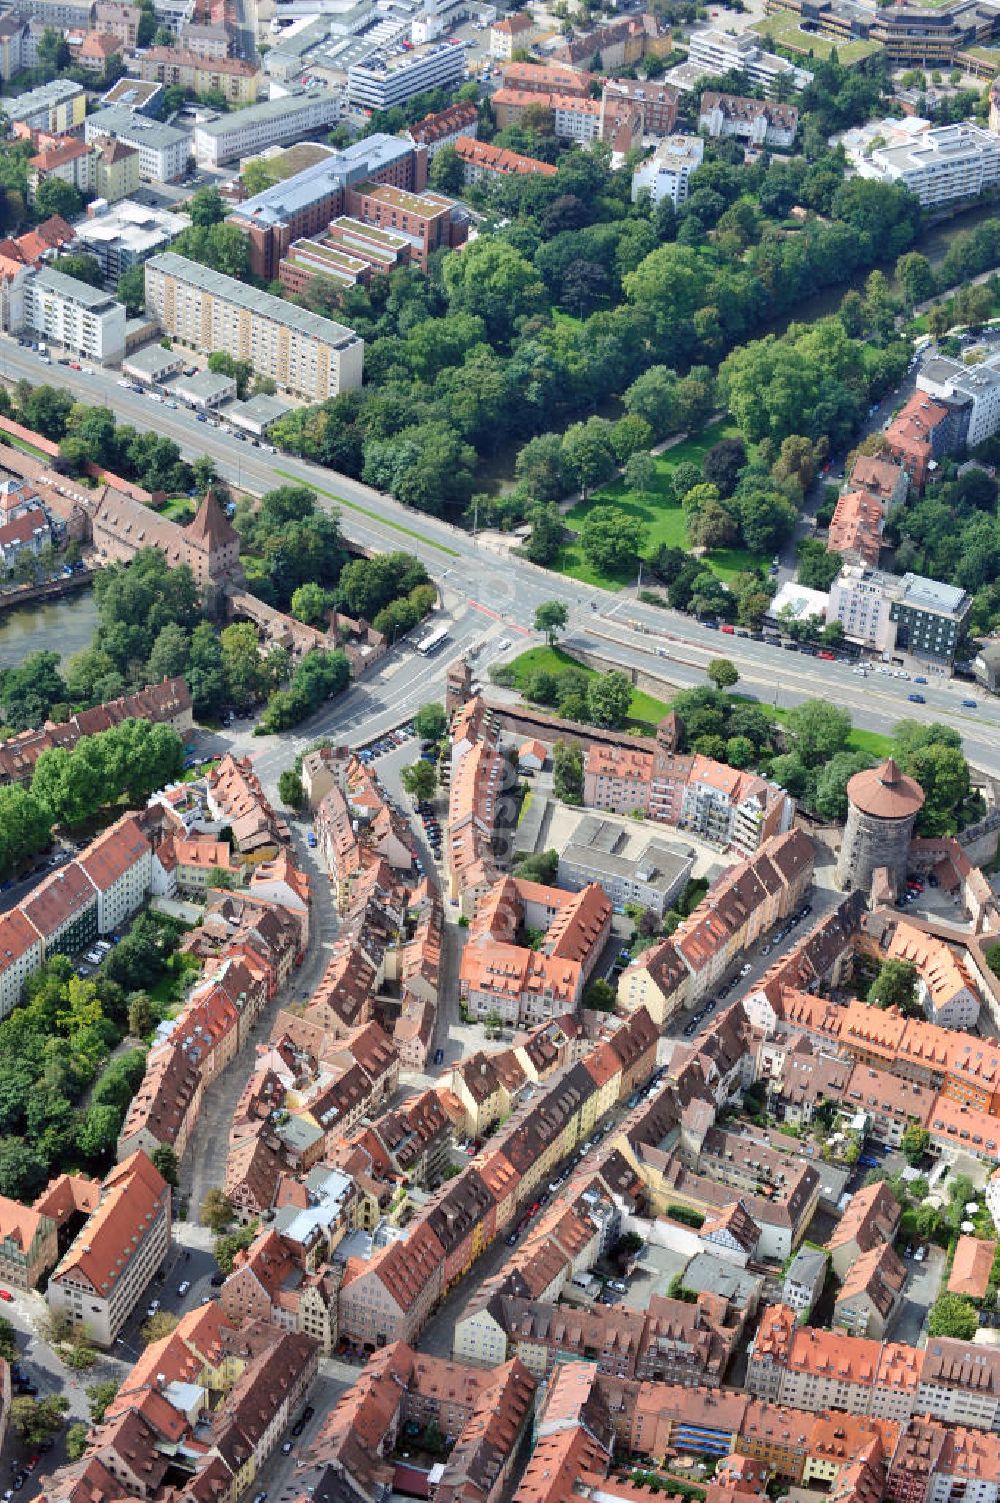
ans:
(430, 722)
(159, 1325)
(56, 197)
(542, 867)
(611, 538)
(165, 1160)
(819, 730)
(290, 789)
(600, 995)
(8, 1341)
(217, 1211)
(830, 799)
(37, 1420)
(420, 781)
(310, 603)
(609, 696)
(589, 453)
(99, 1397)
(915, 1142)
(723, 673)
(723, 463)
(895, 986)
(952, 1315)
(567, 771)
(447, 173)
(915, 275)
(76, 1441)
(639, 473)
(206, 207)
(229, 1244)
(551, 618)
(29, 692)
(83, 267)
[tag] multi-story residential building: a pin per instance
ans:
(931, 1463)
(758, 122)
(655, 102)
(573, 118)
(63, 911)
(66, 312)
(717, 52)
(483, 161)
(510, 35)
(119, 864)
(106, 1270)
(128, 235)
(944, 985)
(116, 170)
(804, 1281)
(868, 1224)
(977, 386)
(163, 150)
(274, 122)
(435, 132)
(57, 108)
(389, 79)
(303, 353)
(28, 533)
(599, 851)
(889, 613)
(72, 15)
(668, 172)
(922, 432)
(28, 1244)
(856, 528)
(428, 221)
(944, 164)
(21, 954)
(233, 77)
(68, 159)
(871, 1293)
(207, 38)
(116, 19)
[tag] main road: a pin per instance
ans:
(481, 587)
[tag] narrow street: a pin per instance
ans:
(203, 1167)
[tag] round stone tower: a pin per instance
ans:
(882, 807)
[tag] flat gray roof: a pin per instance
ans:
(352, 165)
(932, 595)
(262, 303)
(259, 410)
(596, 844)
(94, 298)
(120, 122)
(154, 361)
(46, 94)
(268, 109)
(204, 386)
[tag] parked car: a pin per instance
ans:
(916, 699)
(183, 1287)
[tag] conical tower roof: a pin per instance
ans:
(211, 528)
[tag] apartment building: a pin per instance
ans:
(57, 108)
(65, 312)
(871, 1293)
(108, 1267)
(435, 132)
(888, 613)
(483, 162)
(510, 35)
(233, 77)
(717, 52)
(922, 432)
(304, 354)
(129, 234)
(856, 528)
(758, 122)
(668, 172)
(67, 159)
(940, 166)
(21, 954)
(163, 150)
(427, 221)
(574, 118)
(944, 986)
(28, 1244)
(655, 103)
(391, 78)
(119, 864)
(975, 386)
(273, 122)
(63, 911)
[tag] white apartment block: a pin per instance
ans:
(163, 149)
(274, 122)
(21, 954)
(978, 385)
(716, 52)
(941, 165)
(66, 312)
(304, 354)
(57, 107)
(862, 605)
(119, 863)
(667, 173)
(394, 77)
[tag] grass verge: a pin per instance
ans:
(373, 516)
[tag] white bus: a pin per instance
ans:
(430, 644)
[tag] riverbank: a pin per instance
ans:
(49, 589)
(63, 623)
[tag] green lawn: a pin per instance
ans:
(786, 32)
(664, 520)
(873, 742)
(645, 711)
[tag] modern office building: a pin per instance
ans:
(667, 173)
(716, 52)
(128, 235)
(163, 149)
(892, 613)
(392, 78)
(57, 107)
(274, 122)
(978, 385)
(304, 354)
(63, 311)
(941, 165)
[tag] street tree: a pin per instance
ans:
(217, 1211)
(160, 1324)
(915, 1142)
(165, 1160)
(551, 618)
(430, 722)
(37, 1420)
(723, 673)
(290, 789)
(420, 781)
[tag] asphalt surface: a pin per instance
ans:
(480, 586)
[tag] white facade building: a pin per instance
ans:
(979, 385)
(163, 149)
(66, 312)
(859, 601)
(717, 52)
(120, 865)
(941, 165)
(393, 78)
(274, 122)
(667, 173)
(303, 353)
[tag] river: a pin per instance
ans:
(65, 626)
